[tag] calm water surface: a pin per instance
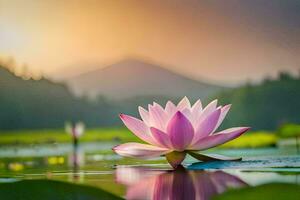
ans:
(95, 165)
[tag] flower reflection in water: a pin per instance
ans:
(76, 159)
(179, 184)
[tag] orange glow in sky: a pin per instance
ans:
(230, 43)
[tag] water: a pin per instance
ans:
(93, 164)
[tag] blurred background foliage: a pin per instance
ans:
(36, 104)
(289, 130)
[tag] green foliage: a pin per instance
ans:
(289, 130)
(49, 190)
(31, 104)
(272, 191)
(253, 140)
(40, 104)
(59, 136)
(248, 140)
(265, 106)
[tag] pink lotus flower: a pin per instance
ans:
(178, 184)
(178, 130)
(75, 130)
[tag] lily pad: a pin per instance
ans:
(50, 190)
(271, 162)
(212, 157)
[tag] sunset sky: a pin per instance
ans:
(228, 41)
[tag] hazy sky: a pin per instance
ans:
(226, 41)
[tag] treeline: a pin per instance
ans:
(266, 106)
(34, 104)
(43, 104)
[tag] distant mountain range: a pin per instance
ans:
(132, 78)
(39, 104)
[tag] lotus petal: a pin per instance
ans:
(138, 127)
(138, 150)
(212, 106)
(158, 116)
(187, 113)
(218, 138)
(181, 131)
(196, 112)
(144, 115)
(184, 103)
(207, 125)
(170, 109)
(197, 106)
(224, 111)
(162, 138)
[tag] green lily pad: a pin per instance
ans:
(212, 157)
(271, 162)
(50, 190)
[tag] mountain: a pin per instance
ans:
(29, 104)
(131, 78)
